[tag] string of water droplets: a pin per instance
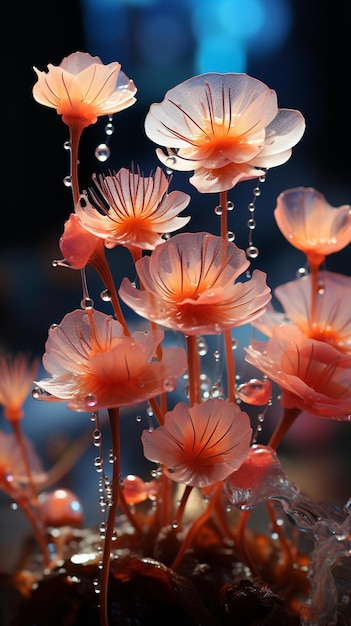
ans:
(102, 151)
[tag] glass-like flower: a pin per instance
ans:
(312, 375)
(82, 88)
(201, 445)
(189, 285)
(16, 381)
(13, 470)
(332, 322)
(311, 224)
(93, 365)
(131, 209)
(225, 127)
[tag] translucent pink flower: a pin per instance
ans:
(312, 375)
(201, 445)
(225, 127)
(189, 285)
(16, 381)
(83, 88)
(331, 323)
(93, 365)
(132, 209)
(13, 472)
(310, 224)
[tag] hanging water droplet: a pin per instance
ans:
(321, 289)
(67, 181)
(91, 401)
(202, 347)
(87, 303)
(251, 207)
(230, 205)
(105, 295)
(109, 129)
(252, 252)
(251, 224)
(218, 210)
(216, 391)
(36, 393)
(234, 343)
(97, 437)
(174, 525)
(230, 235)
(67, 145)
(217, 355)
(111, 457)
(257, 192)
(98, 463)
(301, 272)
(102, 152)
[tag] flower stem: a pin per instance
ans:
(224, 214)
(193, 369)
(286, 422)
(112, 513)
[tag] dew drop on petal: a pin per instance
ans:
(37, 393)
(91, 401)
(256, 392)
(102, 152)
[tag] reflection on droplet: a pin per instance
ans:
(102, 152)
(256, 392)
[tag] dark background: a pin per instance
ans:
(309, 69)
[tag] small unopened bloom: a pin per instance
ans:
(225, 127)
(93, 365)
(313, 375)
(82, 88)
(201, 445)
(189, 285)
(131, 209)
(312, 225)
(16, 381)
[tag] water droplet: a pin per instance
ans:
(230, 205)
(169, 384)
(67, 181)
(252, 252)
(202, 347)
(218, 210)
(97, 437)
(37, 393)
(14, 506)
(257, 192)
(98, 463)
(321, 289)
(91, 401)
(251, 224)
(102, 152)
(255, 392)
(234, 343)
(262, 179)
(111, 457)
(87, 303)
(109, 129)
(174, 525)
(301, 272)
(230, 235)
(217, 355)
(251, 207)
(105, 295)
(216, 391)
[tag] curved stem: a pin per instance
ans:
(286, 422)
(242, 544)
(36, 520)
(187, 491)
(75, 131)
(112, 513)
(99, 262)
(194, 529)
(314, 261)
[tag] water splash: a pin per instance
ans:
(261, 478)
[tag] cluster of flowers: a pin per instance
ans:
(225, 128)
